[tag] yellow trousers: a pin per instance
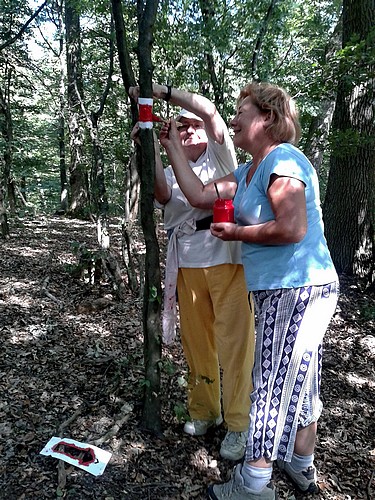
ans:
(217, 330)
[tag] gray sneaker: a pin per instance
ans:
(233, 445)
(200, 427)
(305, 480)
(235, 489)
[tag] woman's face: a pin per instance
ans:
(248, 125)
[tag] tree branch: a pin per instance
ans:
(24, 27)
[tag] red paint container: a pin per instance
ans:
(223, 210)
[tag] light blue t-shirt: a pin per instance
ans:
(268, 267)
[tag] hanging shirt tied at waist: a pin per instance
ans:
(169, 315)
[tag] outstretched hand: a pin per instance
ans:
(134, 135)
(134, 93)
(225, 231)
(158, 91)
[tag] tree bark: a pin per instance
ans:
(100, 200)
(260, 37)
(208, 13)
(79, 202)
(317, 136)
(64, 187)
(4, 226)
(8, 196)
(24, 27)
(349, 205)
(151, 416)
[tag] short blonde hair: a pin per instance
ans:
(285, 126)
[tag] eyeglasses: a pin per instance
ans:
(185, 127)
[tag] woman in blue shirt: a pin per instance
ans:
(291, 276)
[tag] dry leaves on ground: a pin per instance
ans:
(72, 366)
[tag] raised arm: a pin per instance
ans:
(199, 195)
(162, 192)
(196, 103)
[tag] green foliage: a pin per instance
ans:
(356, 59)
(144, 383)
(87, 260)
(292, 53)
(168, 367)
(367, 313)
(153, 295)
(180, 412)
(345, 143)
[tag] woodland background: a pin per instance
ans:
(71, 178)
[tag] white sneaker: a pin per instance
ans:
(233, 445)
(200, 427)
(305, 480)
(235, 489)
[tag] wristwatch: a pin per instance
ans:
(169, 93)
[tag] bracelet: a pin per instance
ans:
(168, 94)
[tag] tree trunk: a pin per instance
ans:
(260, 38)
(151, 416)
(4, 227)
(317, 137)
(349, 205)
(79, 202)
(5, 181)
(131, 198)
(208, 13)
(64, 192)
(100, 200)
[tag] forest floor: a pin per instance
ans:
(72, 366)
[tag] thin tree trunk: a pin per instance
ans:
(4, 227)
(64, 191)
(151, 416)
(8, 199)
(79, 202)
(208, 12)
(260, 38)
(131, 199)
(100, 200)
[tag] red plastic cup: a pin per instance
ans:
(223, 210)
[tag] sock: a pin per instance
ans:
(300, 462)
(255, 478)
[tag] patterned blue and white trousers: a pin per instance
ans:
(287, 366)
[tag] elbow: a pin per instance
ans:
(196, 203)
(198, 200)
(196, 197)
(212, 112)
(162, 197)
(163, 201)
(298, 235)
(292, 235)
(301, 233)
(209, 113)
